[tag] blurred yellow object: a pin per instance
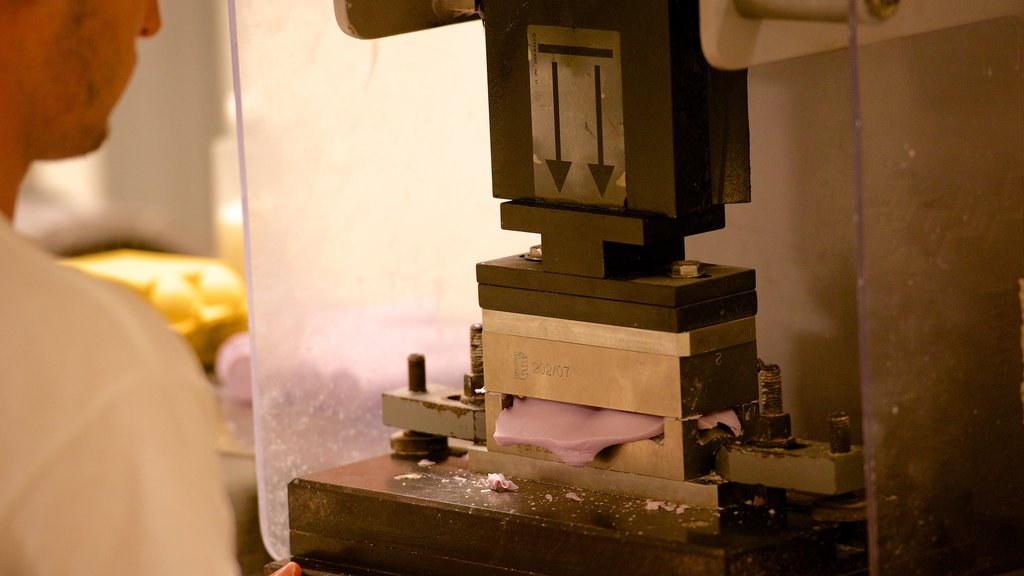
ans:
(203, 299)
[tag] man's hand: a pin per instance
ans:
(289, 569)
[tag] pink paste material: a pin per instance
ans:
(727, 418)
(234, 367)
(575, 434)
(498, 483)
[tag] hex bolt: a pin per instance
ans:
(770, 378)
(417, 373)
(536, 253)
(474, 379)
(839, 433)
(773, 427)
(476, 349)
(687, 269)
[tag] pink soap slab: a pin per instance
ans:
(573, 433)
(727, 418)
(233, 366)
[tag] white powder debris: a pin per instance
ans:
(459, 479)
(573, 496)
(498, 483)
(660, 505)
(549, 497)
(425, 463)
(682, 508)
(410, 476)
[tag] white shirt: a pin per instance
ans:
(107, 429)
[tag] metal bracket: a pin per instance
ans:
(809, 467)
(438, 410)
(816, 10)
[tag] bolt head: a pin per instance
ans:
(687, 269)
(882, 9)
(536, 253)
(773, 430)
(409, 444)
(471, 383)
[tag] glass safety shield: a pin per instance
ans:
(941, 257)
(886, 230)
(367, 174)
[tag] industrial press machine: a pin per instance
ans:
(615, 140)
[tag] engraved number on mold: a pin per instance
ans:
(553, 370)
(718, 358)
(521, 365)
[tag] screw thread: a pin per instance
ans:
(417, 373)
(839, 433)
(770, 378)
(476, 349)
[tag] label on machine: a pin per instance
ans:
(576, 102)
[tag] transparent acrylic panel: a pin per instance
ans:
(943, 166)
(797, 234)
(369, 202)
(943, 252)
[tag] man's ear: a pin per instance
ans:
(151, 20)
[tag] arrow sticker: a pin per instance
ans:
(559, 168)
(576, 113)
(599, 171)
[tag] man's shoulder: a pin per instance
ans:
(68, 338)
(53, 311)
(79, 356)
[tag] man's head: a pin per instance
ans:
(63, 66)
(91, 58)
(76, 57)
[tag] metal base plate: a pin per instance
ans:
(391, 516)
(709, 491)
(658, 290)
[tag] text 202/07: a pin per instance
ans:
(555, 370)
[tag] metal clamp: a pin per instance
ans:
(816, 10)
(370, 19)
